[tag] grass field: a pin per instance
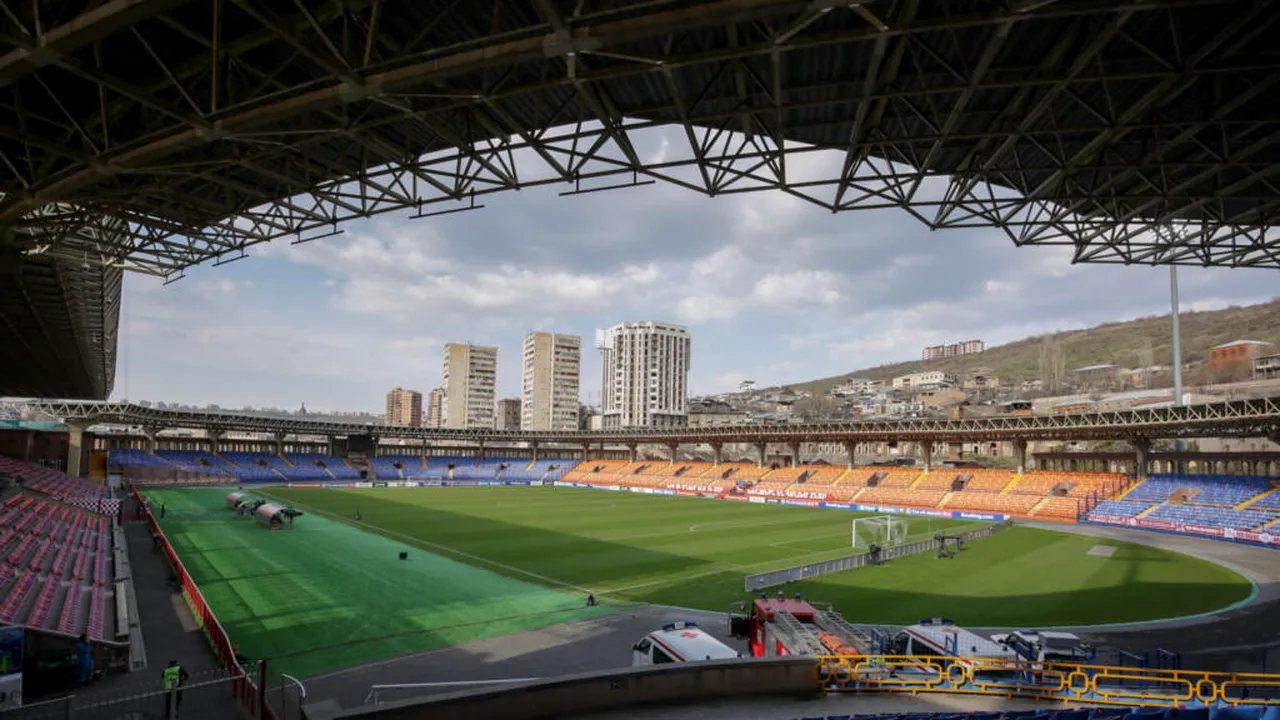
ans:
(327, 594)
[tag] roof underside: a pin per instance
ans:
(58, 328)
(163, 134)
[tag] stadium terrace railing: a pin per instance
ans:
(760, 581)
(204, 696)
(1065, 682)
(251, 701)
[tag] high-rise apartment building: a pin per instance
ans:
(435, 401)
(468, 379)
(549, 385)
(645, 375)
(508, 414)
(404, 408)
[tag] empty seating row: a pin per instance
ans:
(48, 552)
(1227, 490)
(1213, 516)
(1120, 508)
(59, 485)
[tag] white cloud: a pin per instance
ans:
(774, 288)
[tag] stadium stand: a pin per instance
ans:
(1237, 502)
(59, 485)
(317, 466)
(255, 466)
(193, 459)
(54, 556)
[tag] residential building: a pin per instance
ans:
(939, 352)
(435, 403)
(1267, 366)
(552, 368)
(645, 374)
(855, 386)
(1098, 377)
(1243, 351)
(469, 379)
(924, 380)
(404, 408)
(714, 413)
(509, 414)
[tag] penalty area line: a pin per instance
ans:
(427, 544)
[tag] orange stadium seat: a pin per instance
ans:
(901, 496)
(823, 475)
(1058, 508)
(938, 479)
(987, 479)
(898, 476)
(993, 503)
(1079, 484)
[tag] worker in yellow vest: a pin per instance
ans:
(173, 676)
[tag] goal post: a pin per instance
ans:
(885, 531)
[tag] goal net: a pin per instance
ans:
(884, 530)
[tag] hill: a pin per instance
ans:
(1131, 343)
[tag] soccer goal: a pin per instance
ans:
(884, 530)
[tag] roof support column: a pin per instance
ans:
(926, 453)
(1020, 452)
(761, 450)
(480, 453)
(277, 440)
(75, 447)
(533, 447)
(150, 443)
(632, 455)
(214, 437)
(717, 454)
(851, 448)
(333, 446)
(674, 448)
(795, 454)
(1142, 456)
(586, 451)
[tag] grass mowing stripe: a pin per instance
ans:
(1022, 576)
(323, 595)
(427, 544)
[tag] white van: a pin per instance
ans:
(677, 643)
(1041, 646)
(943, 638)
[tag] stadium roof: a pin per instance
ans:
(1238, 418)
(154, 136)
(158, 135)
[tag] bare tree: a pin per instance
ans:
(1146, 360)
(814, 407)
(1053, 363)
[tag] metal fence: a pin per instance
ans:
(207, 696)
(807, 571)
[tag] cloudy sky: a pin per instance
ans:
(773, 289)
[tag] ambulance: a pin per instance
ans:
(679, 642)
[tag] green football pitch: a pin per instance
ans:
(331, 593)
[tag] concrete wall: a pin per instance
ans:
(588, 692)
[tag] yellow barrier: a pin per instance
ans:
(1066, 682)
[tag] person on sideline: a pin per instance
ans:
(84, 660)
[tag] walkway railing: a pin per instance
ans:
(1067, 682)
(251, 701)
